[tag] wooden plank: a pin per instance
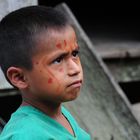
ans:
(7, 6)
(109, 49)
(3, 82)
(102, 109)
(136, 110)
(124, 70)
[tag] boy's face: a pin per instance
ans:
(57, 73)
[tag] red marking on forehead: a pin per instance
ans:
(58, 46)
(65, 43)
(50, 80)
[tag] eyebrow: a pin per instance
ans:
(64, 54)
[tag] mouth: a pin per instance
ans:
(76, 84)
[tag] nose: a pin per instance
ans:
(74, 68)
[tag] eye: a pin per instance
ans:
(58, 60)
(75, 53)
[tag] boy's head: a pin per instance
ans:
(39, 53)
(18, 32)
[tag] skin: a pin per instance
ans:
(56, 66)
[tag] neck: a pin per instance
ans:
(50, 109)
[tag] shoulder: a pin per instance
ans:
(25, 129)
(23, 126)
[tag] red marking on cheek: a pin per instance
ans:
(50, 80)
(61, 70)
(58, 46)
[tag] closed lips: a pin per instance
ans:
(75, 83)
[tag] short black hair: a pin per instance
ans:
(18, 30)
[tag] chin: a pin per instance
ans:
(74, 95)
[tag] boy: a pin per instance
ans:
(39, 56)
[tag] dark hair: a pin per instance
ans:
(18, 30)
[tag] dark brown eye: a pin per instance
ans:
(75, 53)
(58, 60)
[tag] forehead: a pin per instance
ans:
(52, 38)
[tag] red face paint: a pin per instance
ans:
(58, 46)
(50, 80)
(61, 70)
(65, 43)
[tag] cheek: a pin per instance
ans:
(50, 81)
(47, 76)
(54, 84)
(54, 80)
(61, 70)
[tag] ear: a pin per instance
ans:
(17, 77)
